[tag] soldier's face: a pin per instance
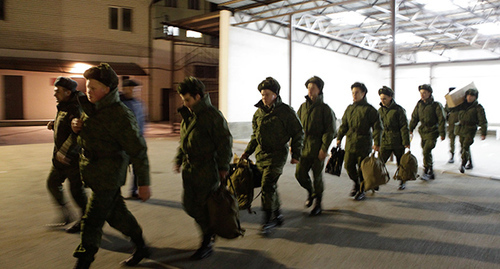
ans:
(424, 95)
(268, 97)
(357, 94)
(61, 94)
(471, 98)
(96, 90)
(312, 91)
(385, 100)
(189, 101)
(128, 91)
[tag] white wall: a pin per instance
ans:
(254, 56)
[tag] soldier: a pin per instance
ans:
(110, 140)
(274, 124)
(395, 137)
(204, 154)
(432, 124)
(319, 123)
(65, 154)
(127, 97)
(359, 120)
(471, 115)
(452, 118)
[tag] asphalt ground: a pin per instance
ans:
(450, 222)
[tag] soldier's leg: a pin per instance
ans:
(270, 198)
(98, 209)
(399, 153)
(317, 169)
(429, 144)
(385, 153)
(360, 157)
(77, 188)
(55, 186)
(302, 176)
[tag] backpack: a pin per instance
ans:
(408, 168)
(374, 173)
(224, 214)
(244, 177)
(334, 164)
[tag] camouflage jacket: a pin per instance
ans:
(396, 133)
(272, 129)
(359, 119)
(469, 117)
(451, 114)
(205, 136)
(431, 117)
(64, 138)
(320, 126)
(110, 140)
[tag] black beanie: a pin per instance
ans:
(318, 81)
(426, 87)
(472, 92)
(104, 74)
(129, 83)
(270, 84)
(191, 85)
(67, 83)
(386, 90)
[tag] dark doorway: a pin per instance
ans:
(13, 97)
(165, 116)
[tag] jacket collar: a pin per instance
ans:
(391, 105)
(429, 101)
(109, 99)
(319, 99)
(361, 102)
(202, 105)
(276, 103)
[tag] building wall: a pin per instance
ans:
(74, 26)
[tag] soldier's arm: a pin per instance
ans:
(330, 125)
(223, 140)
(344, 126)
(441, 121)
(414, 119)
(252, 144)
(296, 132)
(403, 127)
(377, 127)
(483, 123)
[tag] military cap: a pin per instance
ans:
(104, 74)
(270, 84)
(472, 92)
(386, 90)
(318, 81)
(426, 87)
(66, 83)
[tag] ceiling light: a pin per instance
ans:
(489, 28)
(79, 68)
(406, 38)
(438, 6)
(348, 18)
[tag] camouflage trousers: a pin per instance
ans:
(316, 186)
(55, 186)
(452, 136)
(428, 144)
(352, 164)
(465, 143)
(106, 206)
(385, 153)
(270, 197)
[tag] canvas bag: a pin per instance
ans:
(374, 172)
(334, 164)
(244, 177)
(224, 214)
(408, 167)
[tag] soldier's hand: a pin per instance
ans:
(483, 137)
(76, 125)
(376, 148)
(442, 138)
(177, 168)
(338, 143)
(244, 156)
(407, 146)
(294, 161)
(62, 159)
(50, 125)
(321, 155)
(223, 175)
(144, 193)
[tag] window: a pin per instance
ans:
(120, 19)
(170, 3)
(2, 10)
(194, 4)
(170, 30)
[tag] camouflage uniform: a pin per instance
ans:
(205, 148)
(452, 117)
(65, 144)
(470, 116)
(110, 139)
(396, 134)
(272, 129)
(359, 119)
(319, 123)
(432, 125)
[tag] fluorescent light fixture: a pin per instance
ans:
(406, 38)
(348, 18)
(489, 28)
(79, 68)
(193, 34)
(438, 5)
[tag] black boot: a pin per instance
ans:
(278, 217)
(425, 176)
(82, 264)
(309, 200)
(431, 173)
(206, 248)
(452, 160)
(360, 195)
(469, 165)
(402, 185)
(141, 252)
(267, 223)
(462, 166)
(355, 190)
(75, 228)
(317, 207)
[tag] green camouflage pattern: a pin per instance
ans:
(431, 116)
(452, 117)
(470, 116)
(396, 134)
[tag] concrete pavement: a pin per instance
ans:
(451, 222)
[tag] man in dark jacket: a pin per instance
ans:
(431, 116)
(110, 139)
(127, 97)
(470, 116)
(359, 119)
(204, 154)
(274, 124)
(395, 137)
(65, 154)
(452, 118)
(319, 123)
